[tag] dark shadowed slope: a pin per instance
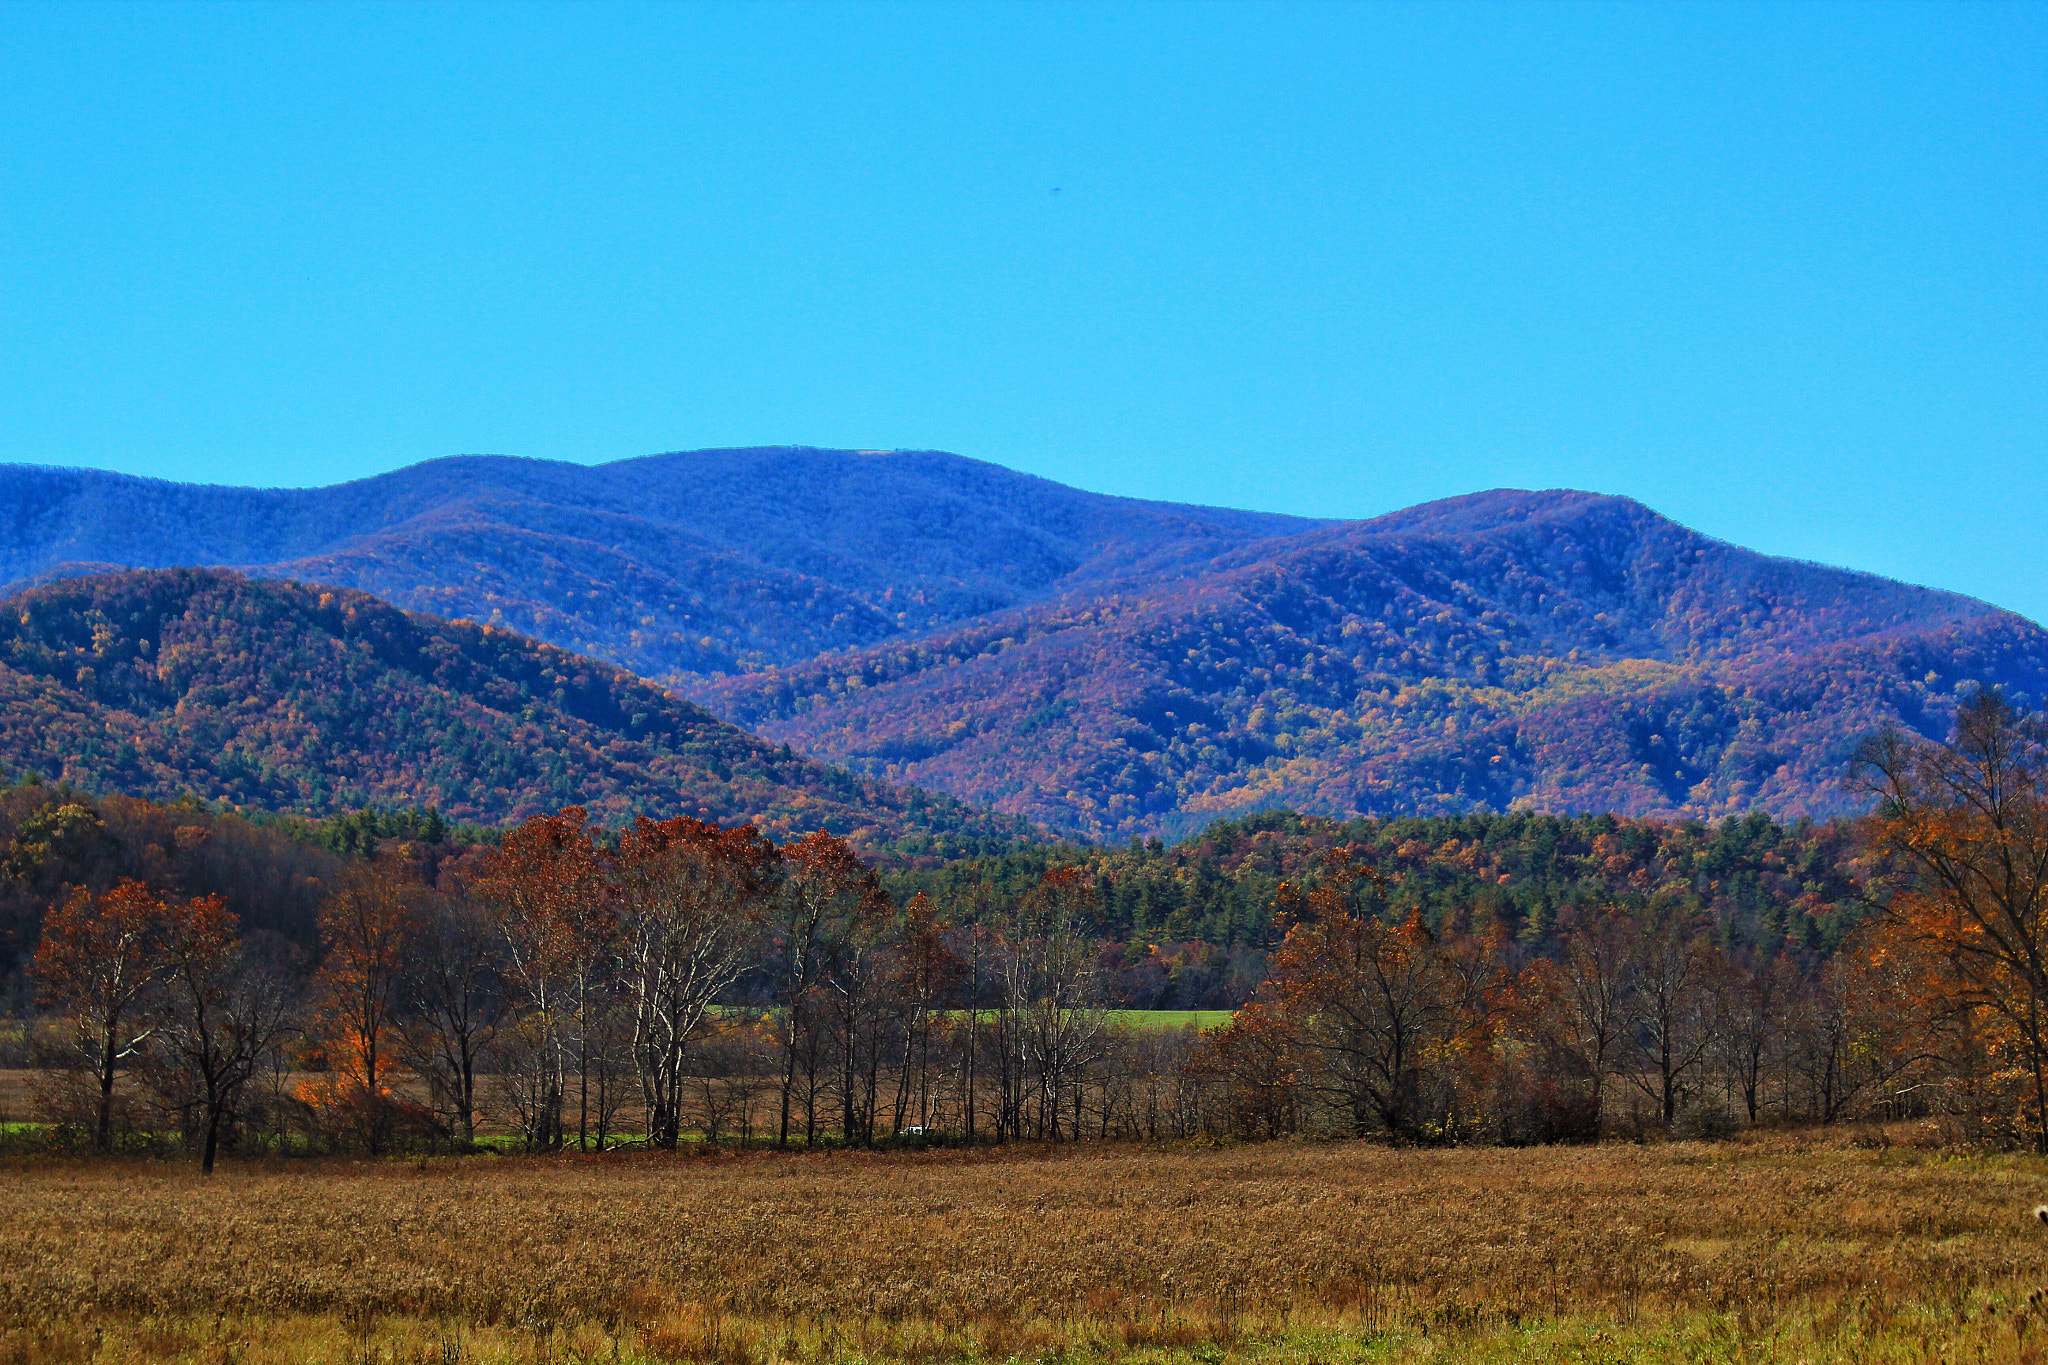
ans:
(308, 699)
(1557, 651)
(700, 562)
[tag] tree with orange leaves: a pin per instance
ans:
(101, 958)
(366, 925)
(1365, 1002)
(1965, 828)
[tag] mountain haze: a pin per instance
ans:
(698, 562)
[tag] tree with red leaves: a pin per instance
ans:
(544, 887)
(826, 891)
(101, 959)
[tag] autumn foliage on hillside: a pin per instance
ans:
(1105, 667)
(289, 698)
(56, 841)
(1554, 652)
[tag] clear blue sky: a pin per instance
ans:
(1775, 270)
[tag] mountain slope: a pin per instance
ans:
(1556, 651)
(308, 699)
(700, 562)
(1113, 667)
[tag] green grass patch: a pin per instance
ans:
(1203, 1020)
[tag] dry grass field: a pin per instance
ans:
(1785, 1248)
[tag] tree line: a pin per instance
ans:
(579, 988)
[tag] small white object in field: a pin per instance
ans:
(2041, 1212)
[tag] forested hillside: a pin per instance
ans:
(53, 838)
(290, 698)
(1105, 667)
(1554, 651)
(697, 562)
(1198, 916)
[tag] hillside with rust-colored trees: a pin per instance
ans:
(1505, 651)
(1112, 668)
(282, 697)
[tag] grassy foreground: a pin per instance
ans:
(1797, 1247)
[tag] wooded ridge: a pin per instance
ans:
(1111, 668)
(1546, 651)
(312, 700)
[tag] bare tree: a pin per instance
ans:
(221, 1014)
(691, 900)
(1675, 976)
(1754, 1010)
(1846, 1034)
(926, 973)
(1052, 994)
(1592, 988)
(457, 1002)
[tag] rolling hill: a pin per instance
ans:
(673, 566)
(1107, 667)
(1551, 651)
(290, 698)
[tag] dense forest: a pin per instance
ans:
(1558, 652)
(1104, 667)
(287, 698)
(384, 980)
(1195, 919)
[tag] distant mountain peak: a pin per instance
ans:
(678, 564)
(1114, 666)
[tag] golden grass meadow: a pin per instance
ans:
(1791, 1246)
